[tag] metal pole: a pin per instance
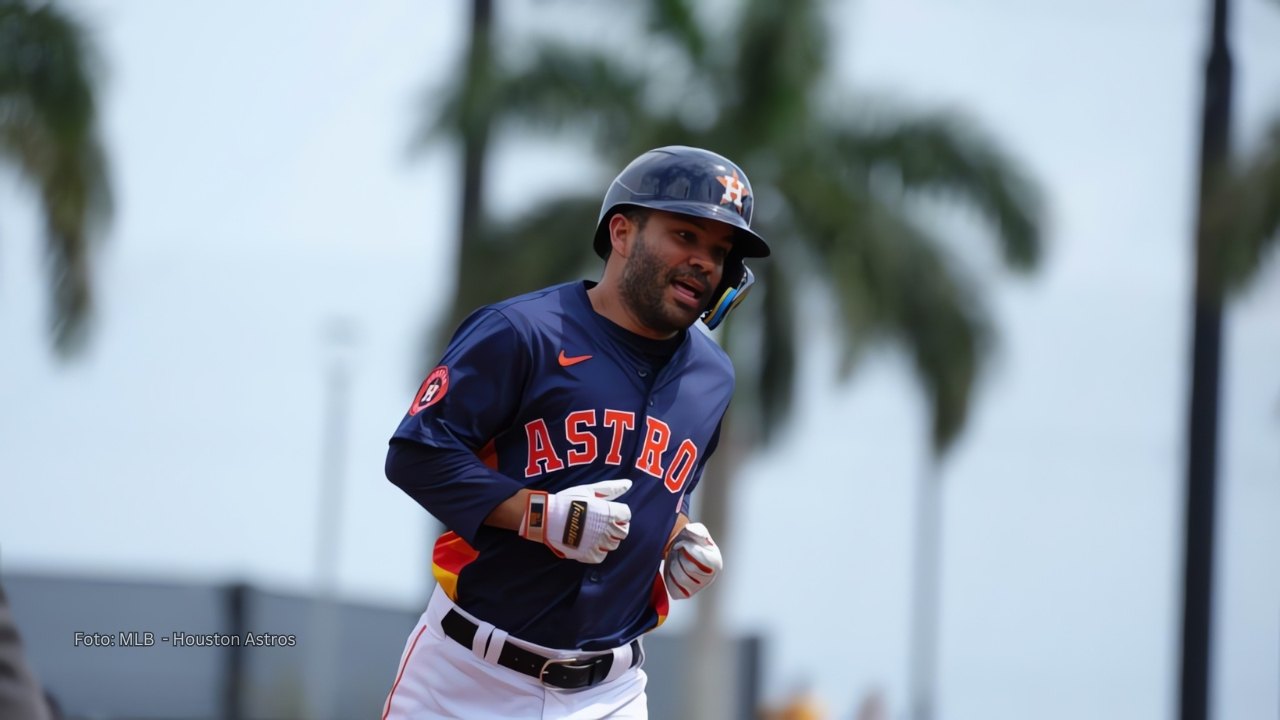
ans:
(233, 681)
(324, 688)
(1197, 612)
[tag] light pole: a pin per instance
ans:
(340, 337)
(1202, 439)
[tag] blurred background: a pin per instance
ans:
(233, 236)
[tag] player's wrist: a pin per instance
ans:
(582, 523)
(533, 526)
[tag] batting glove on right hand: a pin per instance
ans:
(692, 562)
(581, 523)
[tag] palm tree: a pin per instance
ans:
(49, 131)
(471, 126)
(835, 190)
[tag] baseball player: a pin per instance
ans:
(558, 441)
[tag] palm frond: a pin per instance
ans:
(24, 139)
(827, 223)
(550, 245)
(45, 57)
(566, 87)
(48, 127)
(889, 279)
(781, 51)
(941, 156)
(74, 202)
(947, 332)
(776, 379)
(1244, 215)
(675, 19)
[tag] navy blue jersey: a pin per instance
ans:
(542, 392)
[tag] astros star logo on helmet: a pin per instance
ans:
(734, 190)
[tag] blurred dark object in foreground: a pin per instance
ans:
(20, 693)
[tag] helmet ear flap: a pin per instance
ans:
(728, 296)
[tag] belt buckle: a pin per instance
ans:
(567, 662)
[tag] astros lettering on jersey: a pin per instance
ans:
(551, 395)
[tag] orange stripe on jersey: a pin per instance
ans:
(451, 554)
(489, 455)
(661, 602)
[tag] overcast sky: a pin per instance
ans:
(264, 188)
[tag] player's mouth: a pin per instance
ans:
(689, 291)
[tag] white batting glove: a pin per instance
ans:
(693, 561)
(581, 523)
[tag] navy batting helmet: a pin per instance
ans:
(692, 181)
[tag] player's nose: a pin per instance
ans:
(706, 266)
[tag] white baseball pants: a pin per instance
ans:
(439, 678)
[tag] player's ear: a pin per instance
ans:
(621, 232)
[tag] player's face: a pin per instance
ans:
(674, 264)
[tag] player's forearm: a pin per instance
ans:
(453, 485)
(510, 512)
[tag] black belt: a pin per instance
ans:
(566, 673)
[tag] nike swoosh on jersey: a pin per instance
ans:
(566, 361)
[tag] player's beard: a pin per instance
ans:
(645, 281)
